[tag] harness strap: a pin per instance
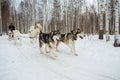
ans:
(28, 37)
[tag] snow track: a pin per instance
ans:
(25, 62)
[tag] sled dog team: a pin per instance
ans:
(49, 42)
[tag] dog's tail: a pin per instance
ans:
(39, 26)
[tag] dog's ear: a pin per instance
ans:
(73, 32)
(78, 30)
(58, 31)
(52, 32)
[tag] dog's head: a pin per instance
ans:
(55, 35)
(74, 34)
(77, 34)
(80, 34)
(39, 26)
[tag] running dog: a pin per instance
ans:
(34, 32)
(70, 38)
(17, 36)
(50, 41)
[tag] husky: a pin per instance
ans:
(50, 41)
(17, 36)
(34, 32)
(70, 38)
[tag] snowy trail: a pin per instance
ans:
(26, 63)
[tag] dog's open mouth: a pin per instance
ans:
(81, 37)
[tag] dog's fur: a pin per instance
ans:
(10, 35)
(34, 32)
(50, 41)
(17, 36)
(70, 38)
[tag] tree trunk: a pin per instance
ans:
(107, 20)
(0, 21)
(66, 17)
(33, 12)
(116, 38)
(101, 20)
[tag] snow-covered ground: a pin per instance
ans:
(97, 60)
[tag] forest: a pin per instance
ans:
(59, 39)
(93, 17)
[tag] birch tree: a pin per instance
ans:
(107, 9)
(101, 6)
(45, 15)
(56, 14)
(66, 13)
(33, 12)
(116, 37)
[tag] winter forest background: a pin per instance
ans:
(98, 52)
(91, 16)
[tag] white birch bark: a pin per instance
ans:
(44, 16)
(66, 25)
(101, 6)
(116, 42)
(33, 12)
(107, 9)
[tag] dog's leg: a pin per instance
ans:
(41, 50)
(47, 48)
(52, 53)
(40, 46)
(14, 40)
(20, 41)
(73, 47)
(52, 50)
(56, 47)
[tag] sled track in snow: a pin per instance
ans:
(43, 66)
(89, 73)
(96, 76)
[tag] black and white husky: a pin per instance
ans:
(14, 35)
(70, 38)
(49, 41)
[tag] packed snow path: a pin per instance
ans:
(97, 60)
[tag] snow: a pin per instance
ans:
(97, 60)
